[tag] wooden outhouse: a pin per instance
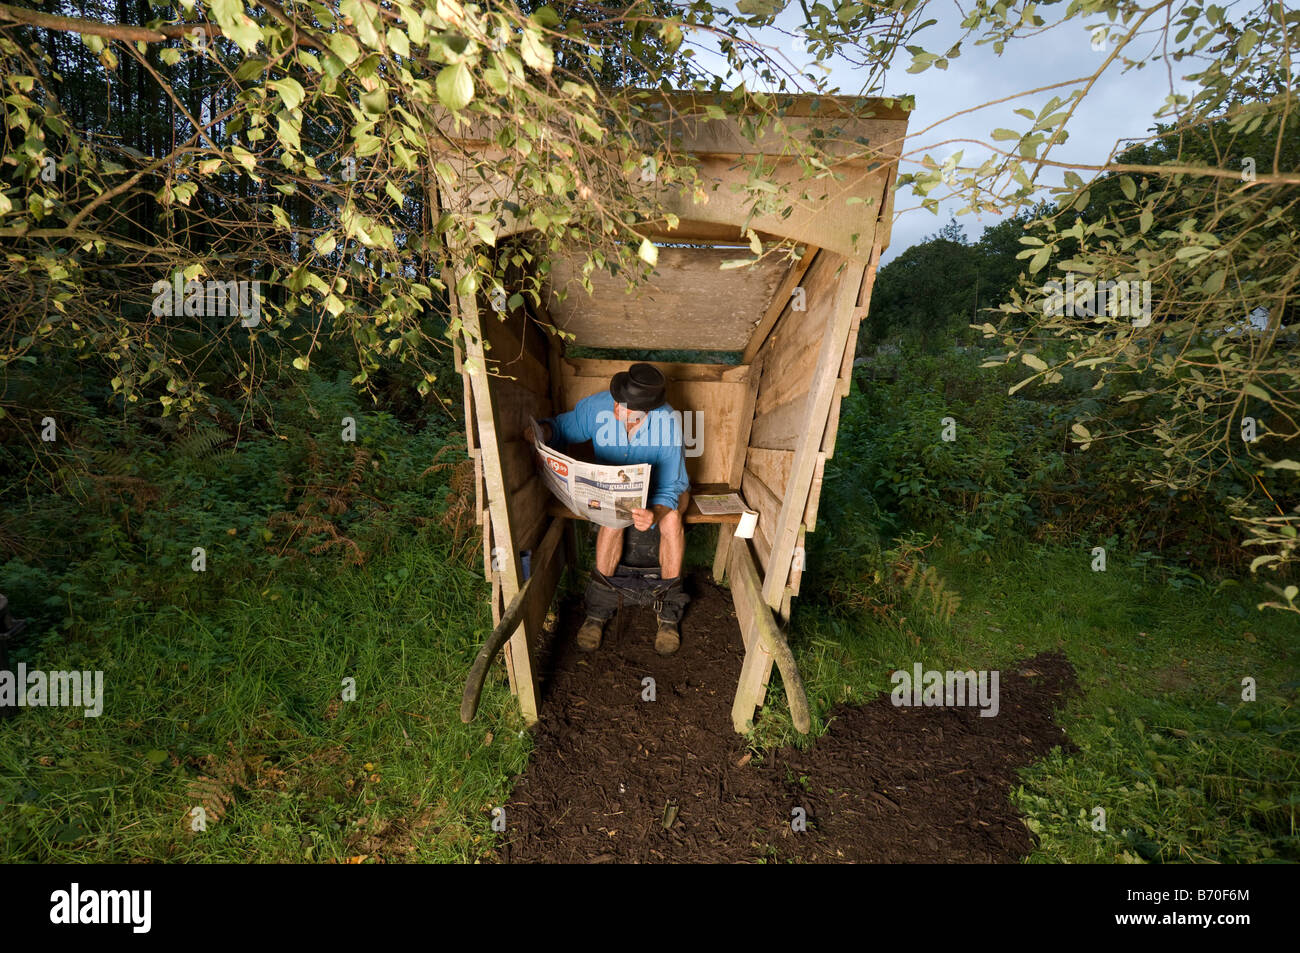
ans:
(788, 324)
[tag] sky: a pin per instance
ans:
(1120, 106)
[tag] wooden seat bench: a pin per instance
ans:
(692, 515)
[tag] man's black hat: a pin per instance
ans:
(640, 387)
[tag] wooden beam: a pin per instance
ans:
(745, 422)
(769, 646)
(765, 500)
(797, 565)
(795, 342)
(510, 571)
(600, 367)
(814, 494)
(771, 466)
(725, 535)
(780, 301)
(532, 599)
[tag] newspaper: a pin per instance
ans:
(603, 493)
(719, 504)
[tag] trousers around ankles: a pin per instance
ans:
(628, 586)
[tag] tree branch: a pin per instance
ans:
(111, 31)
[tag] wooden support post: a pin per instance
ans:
(509, 571)
(764, 644)
(529, 602)
(725, 534)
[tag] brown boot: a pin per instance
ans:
(590, 634)
(666, 639)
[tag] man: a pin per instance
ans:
(632, 423)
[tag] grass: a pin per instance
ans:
(239, 709)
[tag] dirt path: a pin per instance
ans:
(885, 784)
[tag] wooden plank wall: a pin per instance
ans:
(507, 379)
(789, 355)
(721, 392)
(518, 363)
(810, 360)
(690, 302)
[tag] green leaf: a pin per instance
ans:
(243, 157)
(324, 244)
(362, 21)
(1004, 135)
(496, 80)
(302, 363)
(170, 56)
(398, 42)
(290, 91)
(1128, 187)
(288, 132)
(1145, 220)
(1254, 390)
(1040, 259)
(1284, 465)
(455, 86)
(648, 252)
(344, 47)
(414, 25)
(535, 51)
(375, 102)
(236, 25)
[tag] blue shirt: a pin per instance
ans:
(656, 441)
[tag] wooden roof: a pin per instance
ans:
(844, 208)
(689, 302)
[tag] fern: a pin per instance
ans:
(923, 583)
(200, 443)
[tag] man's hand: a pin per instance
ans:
(527, 432)
(644, 519)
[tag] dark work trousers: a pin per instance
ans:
(636, 582)
(634, 586)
